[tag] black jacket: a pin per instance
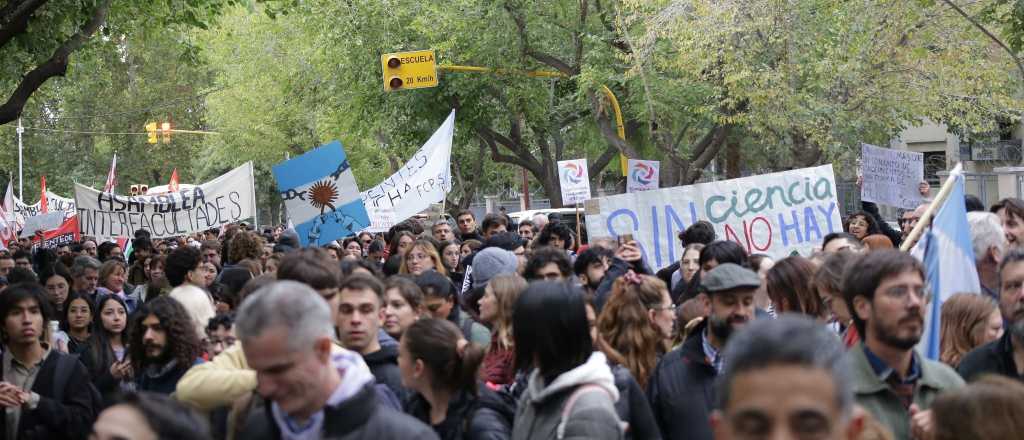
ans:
(360, 417)
(468, 417)
(160, 380)
(70, 418)
(633, 407)
(383, 364)
(681, 391)
(995, 357)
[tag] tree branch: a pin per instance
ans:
(610, 133)
(1013, 55)
(14, 18)
(709, 152)
(527, 50)
(57, 65)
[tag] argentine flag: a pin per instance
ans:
(320, 194)
(948, 258)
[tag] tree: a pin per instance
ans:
(38, 37)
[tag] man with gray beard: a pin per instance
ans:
(1004, 356)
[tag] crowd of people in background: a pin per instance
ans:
(459, 329)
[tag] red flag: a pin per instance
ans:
(42, 196)
(111, 183)
(173, 185)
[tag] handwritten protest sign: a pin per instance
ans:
(775, 214)
(320, 193)
(574, 180)
(424, 179)
(643, 175)
(891, 177)
(228, 198)
(42, 222)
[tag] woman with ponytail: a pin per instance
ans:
(440, 367)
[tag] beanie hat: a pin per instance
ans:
(491, 262)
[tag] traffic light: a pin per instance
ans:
(166, 129)
(151, 132)
(393, 73)
(138, 190)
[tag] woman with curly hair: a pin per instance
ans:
(635, 324)
(245, 245)
(420, 257)
(861, 224)
(163, 345)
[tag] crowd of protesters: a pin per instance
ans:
(496, 330)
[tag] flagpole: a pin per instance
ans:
(256, 210)
(937, 203)
(21, 189)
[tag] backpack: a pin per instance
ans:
(66, 364)
(569, 403)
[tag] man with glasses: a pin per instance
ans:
(886, 294)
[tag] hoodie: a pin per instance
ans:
(592, 415)
(383, 364)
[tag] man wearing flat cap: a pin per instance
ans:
(681, 388)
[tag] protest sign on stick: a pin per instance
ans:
(226, 199)
(891, 177)
(643, 175)
(776, 214)
(574, 180)
(320, 193)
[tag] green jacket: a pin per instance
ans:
(875, 397)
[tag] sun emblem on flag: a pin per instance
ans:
(323, 195)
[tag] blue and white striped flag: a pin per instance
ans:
(321, 196)
(948, 259)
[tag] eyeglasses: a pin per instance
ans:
(902, 293)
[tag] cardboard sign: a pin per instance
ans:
(643, 175)
(775, 214)
(574, 179)
(891, 177)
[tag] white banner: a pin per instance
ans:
(226, 199)
(574, 179)
(643, 175)
(424, 179)
(54, 203)
(891, 177)
(775, 214)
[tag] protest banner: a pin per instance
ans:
(53, 202)
(643, 175)
(775, 214)
(424, 179)
(321, 196)
(891, 177)
(63, 235)
(574, 181)
(227, 199)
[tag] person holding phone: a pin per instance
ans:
(105, 355)
(627, 257)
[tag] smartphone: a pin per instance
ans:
(625, 238)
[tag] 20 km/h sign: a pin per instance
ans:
(409, 70)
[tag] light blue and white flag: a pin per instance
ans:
(320, 193)
(948, 259)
